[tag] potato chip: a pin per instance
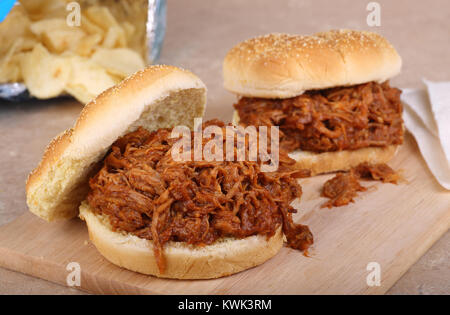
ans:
(41, 9)
(39, 48)
(10, 71)
(60, 40)
(9, 63)
(90, 27)
(87, 44)
(43, 26)
(56, 35)
(101, 16)
(118, 61)
(129, 29)
(115, 37)
(80, 93)
(45, 75)
(16, 25)
(12, 50)
(28, 43)
(87, 79)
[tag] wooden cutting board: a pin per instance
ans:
(392, 225)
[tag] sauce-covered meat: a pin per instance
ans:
(343, 118)
(381, 172)
(144, 191)
(342, 188)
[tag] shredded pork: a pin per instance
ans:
(342, 188)
(143, 191)
(342, 118)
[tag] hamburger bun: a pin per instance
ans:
(183, 261)
(283, 66)
(157, 97)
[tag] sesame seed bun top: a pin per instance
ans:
(283, 65)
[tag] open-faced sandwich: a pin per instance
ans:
(149, 212)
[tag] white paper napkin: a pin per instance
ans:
(427, 117)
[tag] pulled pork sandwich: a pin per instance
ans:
(151, 213)
(328, 93)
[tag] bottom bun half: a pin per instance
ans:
(327, 162)
(183, 261)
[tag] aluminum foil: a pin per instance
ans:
(156, 27)
(155, 31)
(14, 92)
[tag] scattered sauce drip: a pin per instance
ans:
(342, 118)
(342, 188)
(144, 191)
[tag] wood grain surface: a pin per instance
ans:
(392, 225)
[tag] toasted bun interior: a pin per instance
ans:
(183, 261)
(327, 162)
(282, 65)
(157, 97)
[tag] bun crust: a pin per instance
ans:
(183, 261)
(157, 97)
(327, 162)
(283, 66)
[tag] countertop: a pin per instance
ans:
(199, 34)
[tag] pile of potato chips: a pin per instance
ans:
(40, 48)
